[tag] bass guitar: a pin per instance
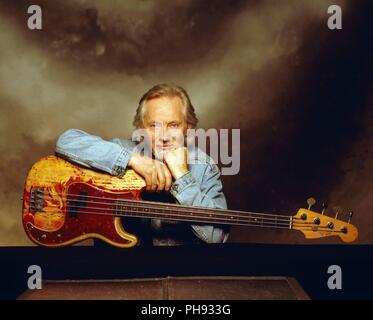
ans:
(64, 204)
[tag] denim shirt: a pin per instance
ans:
(201, 186)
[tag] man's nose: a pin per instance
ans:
(164, 134)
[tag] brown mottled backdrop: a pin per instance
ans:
(300, 93)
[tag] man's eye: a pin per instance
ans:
(174, 125)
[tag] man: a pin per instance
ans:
(171, 171)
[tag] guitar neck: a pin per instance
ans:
(175, 212)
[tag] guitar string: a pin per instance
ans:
(286, 220)
(187, 219)
(168, 216)
(238, 224)
(209, 213)
(201, 219)
(179, 208)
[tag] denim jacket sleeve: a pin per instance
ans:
(94, 152)
(205, 192)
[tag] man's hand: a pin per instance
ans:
(156, 174)
(177, 161)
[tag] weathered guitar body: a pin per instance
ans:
(54, 188)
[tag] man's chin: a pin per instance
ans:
(160, 154)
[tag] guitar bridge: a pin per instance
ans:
(37, 200)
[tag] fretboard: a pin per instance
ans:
(175, 212)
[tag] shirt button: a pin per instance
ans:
(175, 187)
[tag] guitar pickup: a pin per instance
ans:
(36, 200)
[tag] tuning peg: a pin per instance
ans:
(310, 201)
(324, 206)
(337, 211)
(350, 214)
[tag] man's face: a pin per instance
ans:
(165, 124)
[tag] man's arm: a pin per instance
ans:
(94, 152)
(208, 193)
(112, 157)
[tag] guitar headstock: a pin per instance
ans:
(318, 225)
